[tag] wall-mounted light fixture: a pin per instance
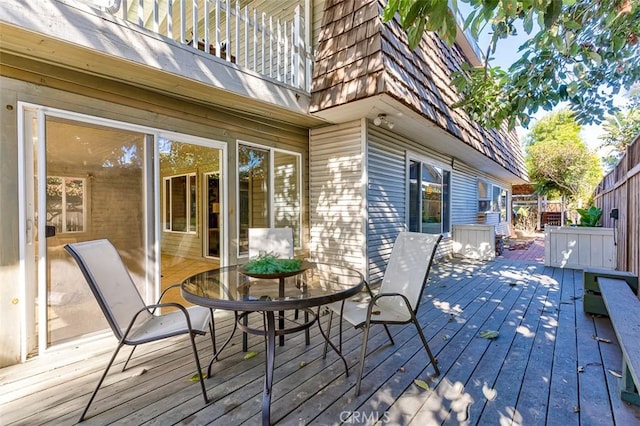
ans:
(382, 119)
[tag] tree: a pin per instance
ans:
(621, 129)
(558, 161)
(580, 52)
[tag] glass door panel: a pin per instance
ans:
(191, 205)
(94, 188)
(253, 177)
(212, 214)
(286, 193)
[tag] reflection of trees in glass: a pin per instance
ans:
(251, 162)
(253, 172)
(124, 156)
(255, 204)
(428, 198)
(101, 146)
(286, 197)
(178, 157)
(65, 203)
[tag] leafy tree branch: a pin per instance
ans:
(581, 52)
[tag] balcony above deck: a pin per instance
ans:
(93, 41)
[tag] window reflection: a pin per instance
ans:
(257, 201)
(428, 198)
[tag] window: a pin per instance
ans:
(180, 203)
(269, 192)
(492, 198)
(429, 190)
(66, 203)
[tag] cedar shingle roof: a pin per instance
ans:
(359, 57)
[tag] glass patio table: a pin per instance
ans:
(233, 289)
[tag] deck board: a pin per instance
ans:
(448, 387)
(564, 377)
(528, 375)
(594, 397)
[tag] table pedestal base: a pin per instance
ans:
(270, 331)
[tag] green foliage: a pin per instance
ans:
(590, 216)
(557, 159)
(177, 157)
(416, 17)
(489, 334)
(578, 53)
(524, 220)
(269, 264)
(621, 129)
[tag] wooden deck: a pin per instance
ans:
(544, 368)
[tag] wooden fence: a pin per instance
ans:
(620, 189)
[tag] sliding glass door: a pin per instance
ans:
(158, 197)
(91, 180)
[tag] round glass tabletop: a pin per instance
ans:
(229, 288)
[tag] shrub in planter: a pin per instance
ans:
(590, 217)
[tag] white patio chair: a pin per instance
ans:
(398, 298)
(131, 320)
(275, 241)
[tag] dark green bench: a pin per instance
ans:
(623, 308)
(592, 299)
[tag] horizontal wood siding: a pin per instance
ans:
(464, 190)
(336, 195)
(464, 203)
(386, 149)
(386, 200)
(182, 244)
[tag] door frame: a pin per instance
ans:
(29, 246)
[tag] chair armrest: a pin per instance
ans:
(368, 287)
(152, 308)
(381, 295)
(378, 296)
(172, 286)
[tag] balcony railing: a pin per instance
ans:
(273, 46)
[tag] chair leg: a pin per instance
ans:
(224, 345)
(200, 375)
(434, 361)
(340, 333)
(104, 374)
(326, 342)
(212, 330)
(307, 338)
(386, 328)
(363, 353)
(245, 336)
(124, 367)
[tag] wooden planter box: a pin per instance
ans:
(474, 241)
(579, 247)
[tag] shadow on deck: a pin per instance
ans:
(545, 367)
